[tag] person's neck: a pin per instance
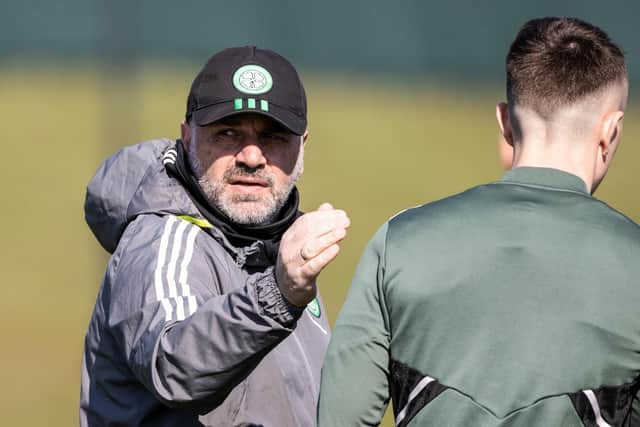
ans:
(568, 157)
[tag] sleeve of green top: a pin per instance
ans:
(354, 385)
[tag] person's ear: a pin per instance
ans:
(185, 134)
(305, 135)
(504, 122)
(610, 131)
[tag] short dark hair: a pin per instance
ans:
(555, 62)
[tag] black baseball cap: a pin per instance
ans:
(248, 80)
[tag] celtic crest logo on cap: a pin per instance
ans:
(252, 79)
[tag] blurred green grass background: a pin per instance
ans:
(375, 148)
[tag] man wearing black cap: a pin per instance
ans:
(208, 313)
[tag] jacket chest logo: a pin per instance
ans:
(314, 307)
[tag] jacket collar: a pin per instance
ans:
(546, 177)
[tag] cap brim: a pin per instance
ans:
(212, 113)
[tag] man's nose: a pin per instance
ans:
(251, 155)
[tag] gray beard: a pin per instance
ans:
(245, 209)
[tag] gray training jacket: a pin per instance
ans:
(188, 330)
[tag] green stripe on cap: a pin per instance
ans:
(251, 103)
(264, 105)
(237, 104)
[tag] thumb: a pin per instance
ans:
(325, 207)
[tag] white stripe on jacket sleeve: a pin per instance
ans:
(162, 254)
(171, 269)
(184, 272)
(176, 290)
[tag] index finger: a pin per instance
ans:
(325, 207)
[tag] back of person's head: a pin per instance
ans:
(555, 62)
(566, 91)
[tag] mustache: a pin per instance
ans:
(246, 172)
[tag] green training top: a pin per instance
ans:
(515, 303)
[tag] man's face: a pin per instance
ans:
(246, 164)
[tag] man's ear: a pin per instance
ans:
(305, 135)
(504, 122)
(610, 132)
(185, 134)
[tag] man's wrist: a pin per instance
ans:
(273, 303)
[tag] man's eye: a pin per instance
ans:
(228, 132)
(274, 137)
(226, 136)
